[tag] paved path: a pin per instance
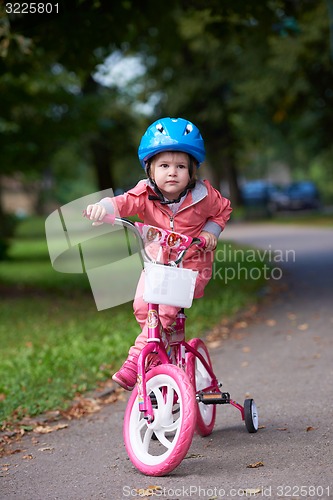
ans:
(282, 357)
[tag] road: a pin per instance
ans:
(281, 356)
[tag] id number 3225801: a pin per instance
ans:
(31, 8)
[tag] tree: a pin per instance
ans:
(243, 72)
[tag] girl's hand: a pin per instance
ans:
(96, 213)
(211, 240)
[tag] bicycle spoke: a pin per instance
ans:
(158, 391)
(169, 401)
(142, 423)
(163, 439)
(147, 437)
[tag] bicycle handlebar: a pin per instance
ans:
(113, 220)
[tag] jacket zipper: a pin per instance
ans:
(171, 217)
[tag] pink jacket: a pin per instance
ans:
(204, 209)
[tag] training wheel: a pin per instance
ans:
(251, 415)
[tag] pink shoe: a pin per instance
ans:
(126, 376)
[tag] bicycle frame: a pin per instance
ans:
(156, 345)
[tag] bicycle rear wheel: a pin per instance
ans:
(158, 447)
(201, 379)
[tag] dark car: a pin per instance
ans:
(302, 195)
(264, 195)
(256, 192)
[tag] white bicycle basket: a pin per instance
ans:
(172, 286)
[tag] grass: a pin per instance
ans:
(54, 342)
(54, 349)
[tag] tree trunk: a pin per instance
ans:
(232, 177)
(102, 162)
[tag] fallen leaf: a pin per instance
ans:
(310, 428)
(240, 324)
(2, 396)
(27, 457)
(303, 327)
(251, 491)
(84, 406)
(271, 322)
(239, 336)
(282, 429)
(115, 396)
(148, 492)
(41, 429)
(246, 349)
(193, 455)
(214, 344)
(292, 316)
(12, 452)
(46, 448)
(255, 465)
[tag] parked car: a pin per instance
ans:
(266, 196)
(302, 195)
(256, 192)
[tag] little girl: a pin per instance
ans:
(171, 197)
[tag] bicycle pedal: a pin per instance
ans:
(213, 398)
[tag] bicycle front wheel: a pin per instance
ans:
(200, 380)
(158, 447)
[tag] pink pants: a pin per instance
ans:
(167, 313)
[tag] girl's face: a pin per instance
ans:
(170, 171)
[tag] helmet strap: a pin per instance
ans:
(161, 198)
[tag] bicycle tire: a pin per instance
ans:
(173, 426)
(200, 379)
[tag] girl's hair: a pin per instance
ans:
(192, 169)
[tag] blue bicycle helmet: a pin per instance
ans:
(171, 134)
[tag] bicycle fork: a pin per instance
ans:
(156, 346)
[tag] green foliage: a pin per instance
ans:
(255, 76)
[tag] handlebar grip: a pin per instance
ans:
(203, 242)
(200, 241)
(108, 218)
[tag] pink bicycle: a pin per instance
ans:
(177, 391)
